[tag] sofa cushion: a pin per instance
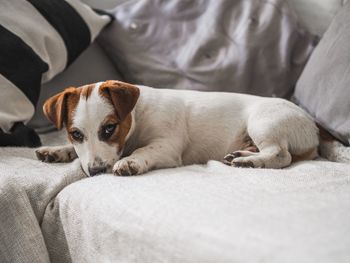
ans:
(239, 46)
(26, 188)
(205, 213)
(323, 88)
(39, 39)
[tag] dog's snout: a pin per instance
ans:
(97, 170)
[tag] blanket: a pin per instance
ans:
(198, 213)
(26, 188)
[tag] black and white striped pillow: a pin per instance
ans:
(38, 40)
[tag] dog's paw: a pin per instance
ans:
(46, 156)
(239, 159)
(56, 154)
(228, 159)
(243, 164)
(128, 166)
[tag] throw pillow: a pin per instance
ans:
(39, 39)
(324, 86)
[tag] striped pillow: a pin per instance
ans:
(38, 40)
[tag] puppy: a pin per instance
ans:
(129, 130)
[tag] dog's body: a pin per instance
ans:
(159, 128)
(199, 126)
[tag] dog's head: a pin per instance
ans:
(98, 121)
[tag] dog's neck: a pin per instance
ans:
(131, 140)
(133, 125)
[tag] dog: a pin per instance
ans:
(131, 129)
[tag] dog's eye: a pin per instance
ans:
(109, 129)
(77, 135)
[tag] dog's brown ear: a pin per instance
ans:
(55, 108)
(122, 95)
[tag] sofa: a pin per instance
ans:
(197, 213)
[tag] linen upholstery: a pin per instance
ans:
(210, 213)
(26, 188)
(198, 213)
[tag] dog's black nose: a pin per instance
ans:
(97, 170)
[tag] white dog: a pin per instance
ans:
(127, 129)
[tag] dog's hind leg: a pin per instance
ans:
(249, 150)
(56, 154)
(269, 156)
(279, 131)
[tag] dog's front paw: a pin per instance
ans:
(45, 155)
(56, 154)
(127, 166)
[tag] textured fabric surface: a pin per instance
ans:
(26, 188)
(92, 66)
(254, 47)
(323, 88)
(49, 36)
(211, 213)
(207, 213)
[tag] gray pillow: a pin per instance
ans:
(91, 66)
(324, 86)
(245, 46)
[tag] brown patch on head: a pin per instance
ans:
(59, 107)
(122, 96)
(123, 130)
(119, 134)
(87, 90)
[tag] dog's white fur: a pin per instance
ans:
(171, 128)
(86, 118)
(186, 127)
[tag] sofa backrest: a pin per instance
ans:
(316, 15)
